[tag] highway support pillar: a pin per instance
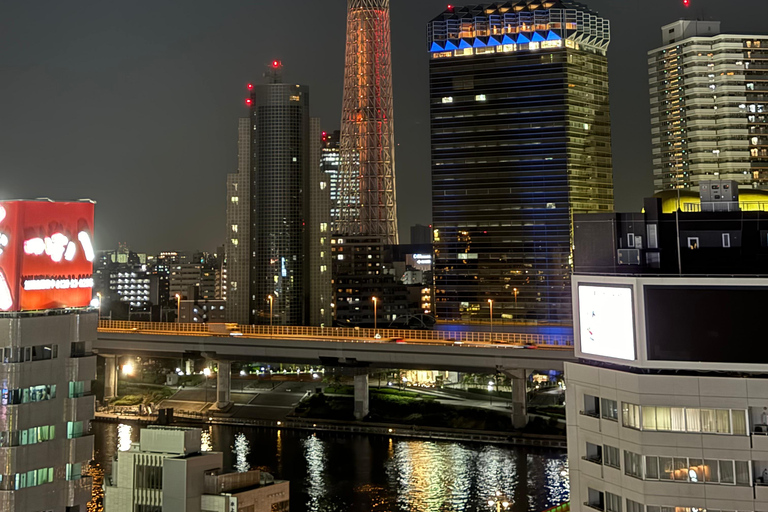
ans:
(362, 400)
(519, 397)
(110, 377)
(224, 386)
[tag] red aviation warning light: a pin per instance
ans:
(250, 87)
(687, 3)
(248, 102)
(275, 64)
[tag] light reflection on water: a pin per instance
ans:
(335, 473)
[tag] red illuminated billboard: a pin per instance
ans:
(46, 255)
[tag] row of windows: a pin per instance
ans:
(609, 502)
(31, 478)
(24, 354)
(27, 395)
(32, 435)
(685, 469)
(684, 419)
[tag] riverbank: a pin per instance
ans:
(367, 428)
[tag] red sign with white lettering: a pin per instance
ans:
(46, 255)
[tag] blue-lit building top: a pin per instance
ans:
(516, 26)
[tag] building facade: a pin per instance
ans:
(330, 162)
(520, 130)
(709, 97)
(667, 408)
(288, 211)
(367, 204)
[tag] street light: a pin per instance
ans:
(207, 373)
(490, 301)
(178, 308)
(375, 316)
(271, 301)
(515, 290)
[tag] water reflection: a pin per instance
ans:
(314, 450)
(242, 448)
(335, 473)
(124, 437)
(205, 440)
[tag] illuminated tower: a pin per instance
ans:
(367, 203)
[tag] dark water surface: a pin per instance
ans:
(334, 473)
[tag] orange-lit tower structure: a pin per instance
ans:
(367, 204)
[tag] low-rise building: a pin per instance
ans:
(168, 471)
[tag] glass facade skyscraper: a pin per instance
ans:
(288, 207)
(520, 129)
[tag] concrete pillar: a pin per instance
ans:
(224, 385)
(110, 377)
(519, 398)
(362, 399)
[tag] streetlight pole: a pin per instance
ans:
(490, 302)
(375, 316)
(515, 290)
(178, 308)
(271, 301)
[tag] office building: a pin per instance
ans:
(330, 161)
(48, 328)
(168, 470)
(421, 234)
(708, 106)
(668, 404)
(288, 211)
(367, 202)
(521, 141)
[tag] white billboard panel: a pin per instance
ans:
(606, 324)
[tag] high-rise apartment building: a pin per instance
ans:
(330, 162)
(709, 106)
(367, 203)
(667, 408)
(521, 141)
(47, 326)
(285, 221)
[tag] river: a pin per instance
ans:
(355, 473)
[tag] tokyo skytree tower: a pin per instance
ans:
(367, 204)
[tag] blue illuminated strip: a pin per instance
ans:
(450, 46)
(521, 39)
(537, 38)
(478, 43)
(436, 48)
(507, 40)
(493, 42)
(553, 37)
(464, 44)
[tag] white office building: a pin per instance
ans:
(708, 106)
(167, 471)
(665, 407)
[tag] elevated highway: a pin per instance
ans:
(357, 349)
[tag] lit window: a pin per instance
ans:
(448, 99)
(234, 228)
(480, 97)
(235, 199)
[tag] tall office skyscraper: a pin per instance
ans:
(520, 142)
(367, 185)
(284, 220)
(708, 106)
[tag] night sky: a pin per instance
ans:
(135, 103)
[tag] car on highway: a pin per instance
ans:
(395, 340)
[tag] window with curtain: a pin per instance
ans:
(633, 464)
(663, 418)
(633, 506)
(611, 456)
(727, 475)
(612, 502)
(609, 409)
(630, 415)
(723, 421)
(742, 473)
(692, 420)
(666, 468)
(708, 420)
(651, 468)
(649, 418)
(711, 473)
(739, 419)
(678, 419)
